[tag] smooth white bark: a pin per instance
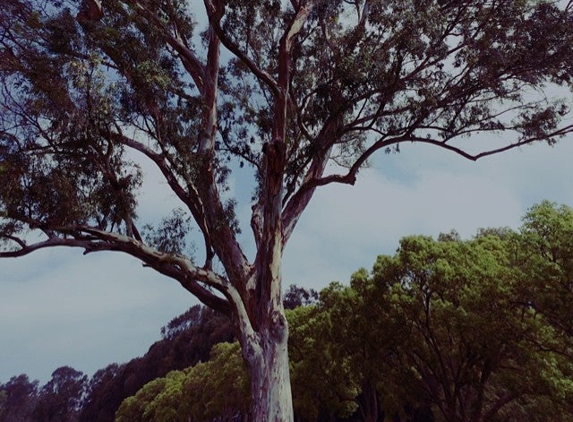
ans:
(268, 363)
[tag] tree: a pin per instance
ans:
(60, 399)
(371, 336)
(322, 381)
(18, 398)
(289, 88)
(104, 395)
(473, 348)
(296, 296)
(449, 328)
(217, 390)
(543, 252)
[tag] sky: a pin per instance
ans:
(59, 307)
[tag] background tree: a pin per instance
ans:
(475, 352)
(133, 408)
(296, 296)
(104, 395)
(215, 390)
(18, 398)
(60, 399)
(543, 252)
(440, 330)
(303, 86)
(324, 387)
(362, 311)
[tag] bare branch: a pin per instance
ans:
(49, 243)
(189, 197)
(174, 266)
(350, 177)
(149, 255)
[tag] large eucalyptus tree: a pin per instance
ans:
(303, 91)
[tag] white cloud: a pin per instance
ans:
(58, 307)
(423, 190)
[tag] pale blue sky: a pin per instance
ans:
(58, 307)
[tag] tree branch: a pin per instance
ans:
(49, 243)
(298, 202)
(502, 401)
(174, 265)
(189, 60)
(190, 197)
(215, 11)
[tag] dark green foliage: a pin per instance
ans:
(103, 395)
(543, 252)
(18, 398)
(61, 398)
(187, 340)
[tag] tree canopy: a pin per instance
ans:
(445, 329)
(214, 390)
(304, 92)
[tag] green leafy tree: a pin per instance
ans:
(372, 337)
(133, 408)
(544, 253)
(474, 350)
(361, 338)
(441, 330)
(323, 382)
(216, 390)
(302, 85)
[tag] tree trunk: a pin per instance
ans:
(269, 369)
(369, 403)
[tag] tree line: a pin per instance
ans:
(445, 329)
(71, 396)
(303, 92)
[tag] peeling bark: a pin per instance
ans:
(267, 358)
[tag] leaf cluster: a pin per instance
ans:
(195, 394)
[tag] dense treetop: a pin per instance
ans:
(444, 330)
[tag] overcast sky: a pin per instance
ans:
(58, 307)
